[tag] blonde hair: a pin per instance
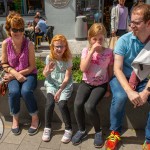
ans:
(67, 54)
(95, 29)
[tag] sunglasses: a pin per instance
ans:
(17, 30)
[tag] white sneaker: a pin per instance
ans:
(67, 136)
(46, 134)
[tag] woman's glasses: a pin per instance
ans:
(17, 30)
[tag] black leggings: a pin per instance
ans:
(87, 98)
(49, 109)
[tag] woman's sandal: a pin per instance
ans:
(32, 131)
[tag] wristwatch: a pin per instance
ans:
(148, 89)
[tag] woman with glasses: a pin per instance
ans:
(18, 60)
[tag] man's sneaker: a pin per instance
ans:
(67, 136)
(78, 137)
(146, 146)
(98, 140)
(112, 141)
(46, 134)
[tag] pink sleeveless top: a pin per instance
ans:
(19, 61)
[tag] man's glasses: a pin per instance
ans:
(136, 23)
(17, 30)
(59, 46)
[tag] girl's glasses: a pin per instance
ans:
(17, 30)
(59, 46)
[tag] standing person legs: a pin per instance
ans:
(49, 109)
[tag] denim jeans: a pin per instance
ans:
(24, 90)
(118, 103)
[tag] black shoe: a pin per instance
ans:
(16, 131)
(32, 131)
(78, 137)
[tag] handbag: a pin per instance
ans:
(3, 85)
(112, 42)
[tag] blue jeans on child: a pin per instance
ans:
(118, 103)
(24, 90)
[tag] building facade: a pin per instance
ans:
(62, 13)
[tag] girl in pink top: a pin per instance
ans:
(97, 67)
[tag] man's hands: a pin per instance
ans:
(135, 98)
(138, 99)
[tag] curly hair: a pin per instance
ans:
(13, 19)
(67, 54)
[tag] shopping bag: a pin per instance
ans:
(3, 85)
(112, 42)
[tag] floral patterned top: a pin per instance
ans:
(97, 73)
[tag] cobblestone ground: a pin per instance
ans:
(131, 139)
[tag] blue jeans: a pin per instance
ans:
(24, 90)
(118, 103)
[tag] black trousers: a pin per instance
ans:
(49, 109)
(87, 98)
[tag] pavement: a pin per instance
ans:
(131, 139)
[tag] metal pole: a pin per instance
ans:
(102, 11)
(99, 8)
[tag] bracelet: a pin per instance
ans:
(9, 69)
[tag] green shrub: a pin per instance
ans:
(77, 74)
(40, 66)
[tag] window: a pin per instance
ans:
(2, 8)
(35, 5)
(24, 7)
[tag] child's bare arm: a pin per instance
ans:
(64, 83)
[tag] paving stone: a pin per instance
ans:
(55, 142)
(69, 146)
(30, 142)
(15, 139)
(8, 146)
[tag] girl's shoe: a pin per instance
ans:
(67, 136)
(78, 137)
(98, 140)
(46, 134)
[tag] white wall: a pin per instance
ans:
(62, 19)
